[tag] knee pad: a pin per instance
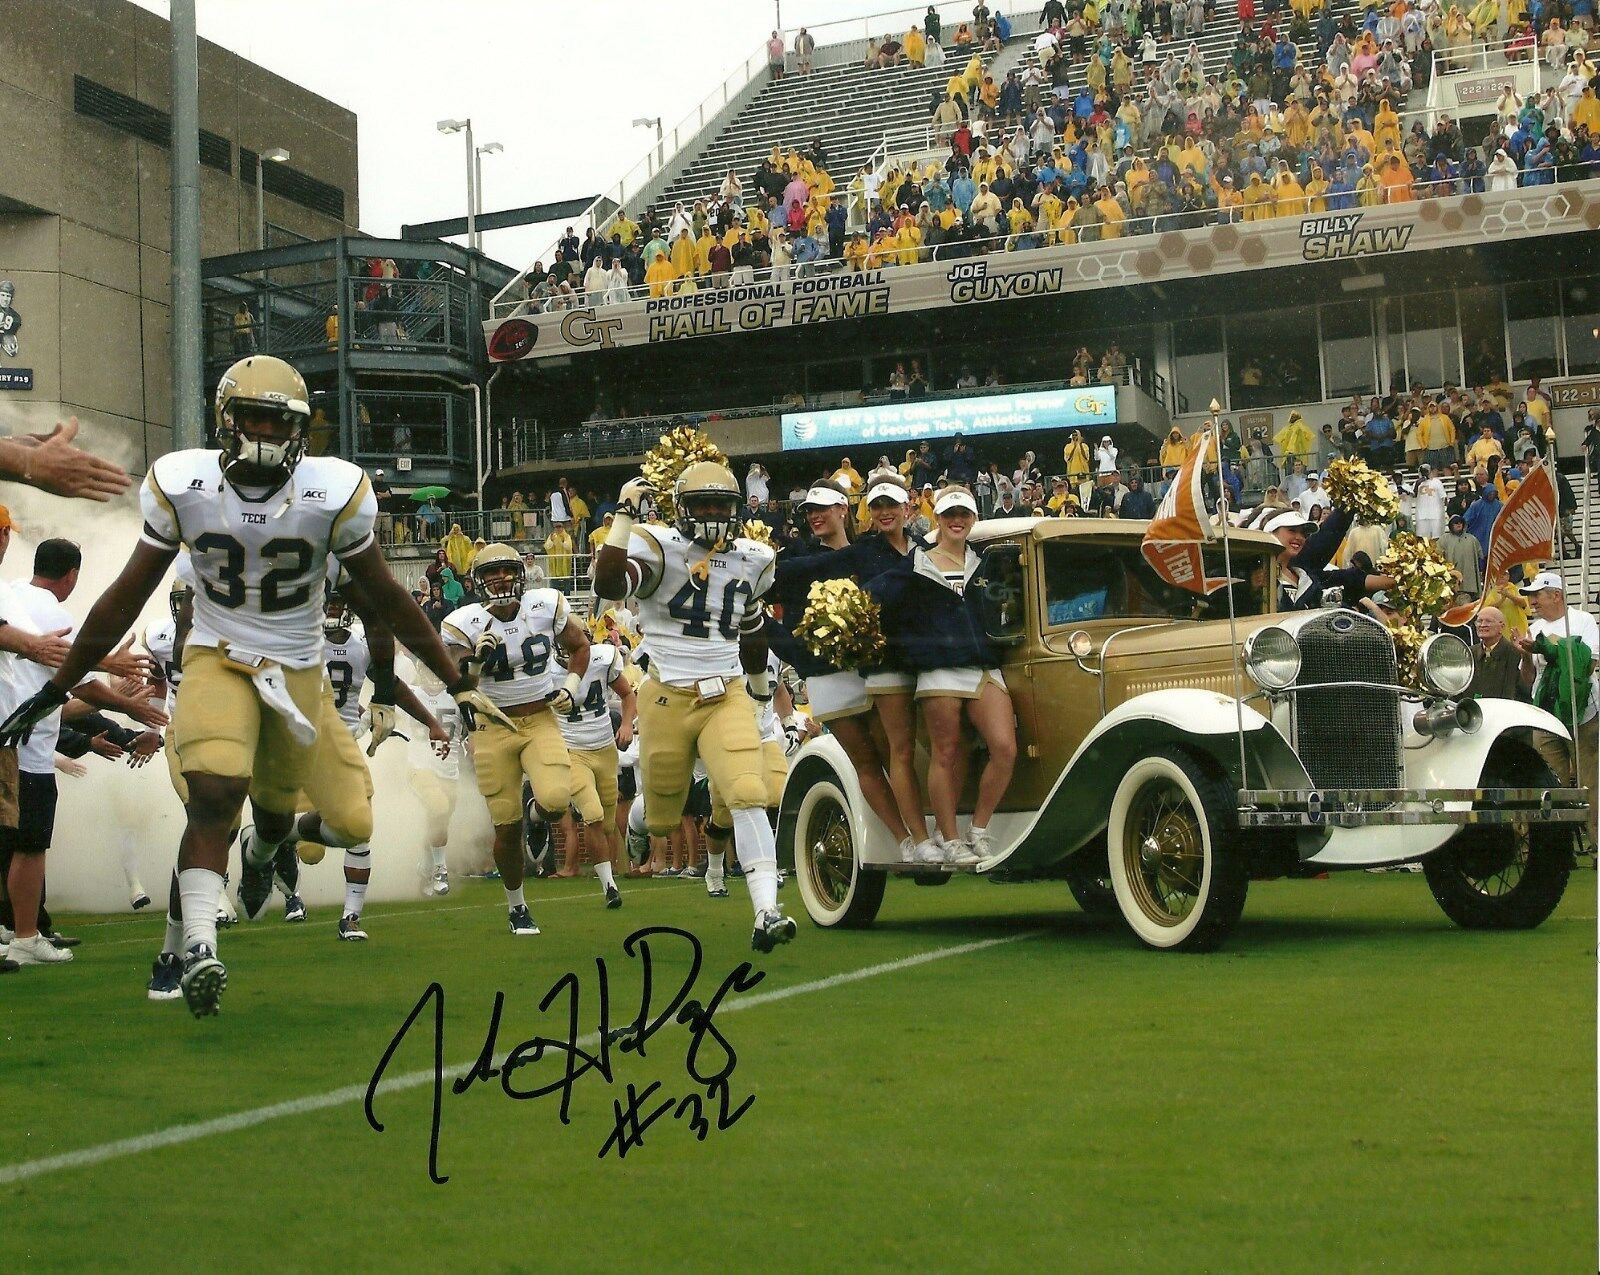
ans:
(716, 832)
(748, 792)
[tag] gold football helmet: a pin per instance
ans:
(269, 386)
(178, 595)
(499, 573)
(706, 499)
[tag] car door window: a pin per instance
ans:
(1001, 577)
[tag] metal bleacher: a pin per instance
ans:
(848, 106)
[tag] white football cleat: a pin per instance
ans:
(36, 950)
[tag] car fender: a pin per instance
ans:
(823, 757)
(1201, 721)
(1456, 760)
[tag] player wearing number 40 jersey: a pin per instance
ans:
(257, 521)
(698, 589)
(511, 640)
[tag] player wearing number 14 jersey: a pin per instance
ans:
(511, 638)
(698, 588)
(257, 520)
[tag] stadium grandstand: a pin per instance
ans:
(1315, 217)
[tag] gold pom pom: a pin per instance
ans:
(678, 449)
(1408, 641)
(1360, 492)
(842, 624)
(757, 531)
(1424, 581)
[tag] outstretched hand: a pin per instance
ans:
(19, 726)
(51, 463)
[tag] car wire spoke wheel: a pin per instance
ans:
(831, 852)
(836, 889)
(1177, 858)
(1504, 876)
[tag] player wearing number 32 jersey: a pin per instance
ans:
(511, 640)
(698, 589)
(257, 521)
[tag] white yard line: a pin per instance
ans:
(176, 1135)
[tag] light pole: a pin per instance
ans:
(647, 122)
(488, 148)
(276, 155)
(457, 126)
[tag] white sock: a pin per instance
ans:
(261, 850)
(758, 852)
(172, 945)
(715, 860)
(199, 890)
(130, 868)
(437, 854)
(514, 898)
(607, 877)
(355, 894)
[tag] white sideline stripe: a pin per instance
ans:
(179, 1134)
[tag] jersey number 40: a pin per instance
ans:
(692, 605)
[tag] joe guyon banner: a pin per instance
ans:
(1459, 221)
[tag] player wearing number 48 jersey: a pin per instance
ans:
(511, 640)
(698, 589)
(257, 521)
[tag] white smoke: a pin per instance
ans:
(116, 813)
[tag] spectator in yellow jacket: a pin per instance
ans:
(683, 254)
(659, 274)
(1174, 451)
(558, 553)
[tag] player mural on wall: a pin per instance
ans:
(10, 320)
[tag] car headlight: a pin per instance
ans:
(1272, 658)
(1444, 664)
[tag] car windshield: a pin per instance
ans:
(1099, 581)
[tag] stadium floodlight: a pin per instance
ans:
(488, 148)
(647, 121)
(460, 126)
(272, 155)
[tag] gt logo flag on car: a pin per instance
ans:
(1523, 531)
(1173, 542)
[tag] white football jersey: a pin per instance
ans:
(767, 714)
(348, 663)
(690, 627)
(159, 640)
(588, 725)
(258, 564)
(524, 669)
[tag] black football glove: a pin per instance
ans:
(19, 726)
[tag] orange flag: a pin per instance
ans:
(1524, 531)
(1173, 543)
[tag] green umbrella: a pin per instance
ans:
(429, 493)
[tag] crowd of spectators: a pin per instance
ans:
(1102, 134)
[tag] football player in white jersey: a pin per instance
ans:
(697, 588)
(350, 658)
(510, 639)
(257, 520)
(592, 745)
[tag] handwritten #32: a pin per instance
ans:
(710, 1106)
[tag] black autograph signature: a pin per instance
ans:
(638, 1109)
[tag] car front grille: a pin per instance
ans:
(1348, 736)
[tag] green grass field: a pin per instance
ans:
(1352, 1084)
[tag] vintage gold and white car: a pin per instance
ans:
(1167, 756)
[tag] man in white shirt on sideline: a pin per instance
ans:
(1315, 494)
(1549, 622)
